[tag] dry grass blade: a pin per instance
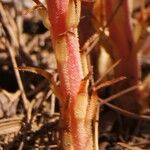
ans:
(7, 22)
(113, 14)
(37, 2)
(90, 43)
(25, 100)
(45, 74)
(42, 10)
(38, 5)
(110, 69)
(142, 143)
(129, 147)
(10, 125)
(39, 71)
(94, 39)
(96, 128)
(33, 9)
(127, 113)
(108, 83)
(34, 41)
(119, 94)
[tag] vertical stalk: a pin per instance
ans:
(122, 38)
(76, 131)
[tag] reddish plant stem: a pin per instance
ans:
(122, 38)
(66, 46)
(64, 17)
